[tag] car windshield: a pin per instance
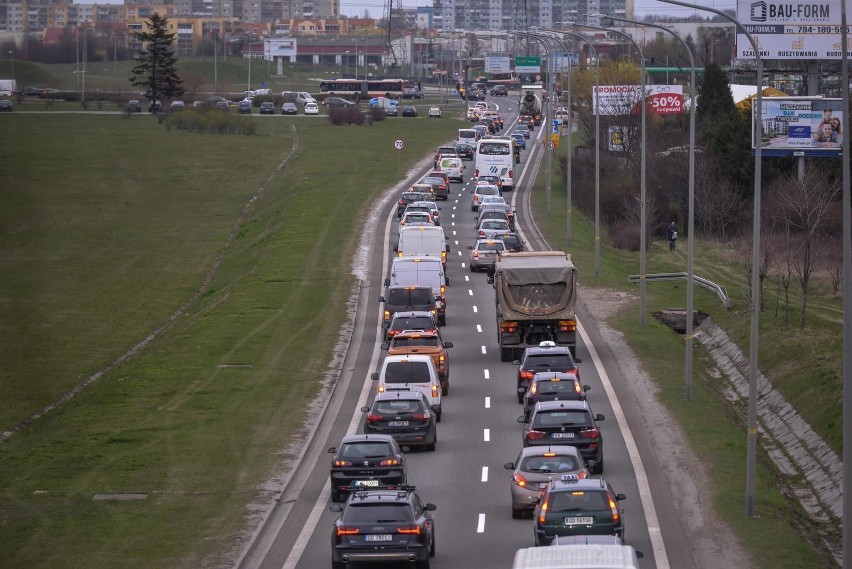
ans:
(409, 342)
(371, 513)
(548, 387)
(562, 418)
(410, 297)
(414, 323)
(556, 463)
(512, 241)
(578, 501)
(559, 361)
(407, 372)
(493, 224)
(494, 148)
(397, 406)
(432, 180)
(487, 191)
(366, 449)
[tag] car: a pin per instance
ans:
(475, 95)
(289, 109)
(440, 184)
(435, 112)
(527, 120)
(513, 242)
(383, 526)
(311, 108)
(337, 102)
(443, 152)
(489, 179)
(491, 215)
(177, 106)
(547, 356)
(443, 175)
(32, 91)
(499, 91)
(493, 228)
(523, 130)
(223, 105)
(414, 372)
(422, 207)
(409, 197)
(562, 115)
(473, 113)
(566, 423)
(409, 111)
(479, 192)
(453, 167)
(392, 111)
(267, 108)
(423, 320)
(492, 206)
(134, 106)
(533, 470)
(550, 386)
(484, 252)
(415, 218)
(423, 342)
(577, 507)
(406, 415)
(244, 107)
(465, 150)
(519, 139)
(412, 93)
(366, 461)
(481, 130)
(490, 200)
(433, 209)
(154, 106)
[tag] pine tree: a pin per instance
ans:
(155, 64)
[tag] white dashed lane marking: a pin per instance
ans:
(486, 435)
(488, 403)
(485, 474)
(457, 242)
(469, 292)
(480, 525)
(454, 232)
(487, 375)
(466, 278)
(479, 328)
(483, 349)
(474, 309)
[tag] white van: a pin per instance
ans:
(453, 168)
(411, 372)
(422, 271)
(577, 557)
(423, 241)
(298, 97)
(468, 135)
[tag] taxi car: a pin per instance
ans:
(535, 467)
(423, 342)
(484, 253)
(566, 423)
(366, 461)
(577, 507)
(362, 533)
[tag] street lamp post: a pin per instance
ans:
(690, 249)
(346, 63)
(12, 59)
(751, 450)
(85, 62)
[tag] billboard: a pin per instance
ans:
(801, 123)
(624, 99)
(498, 64)
(790, 30)
(279, 47)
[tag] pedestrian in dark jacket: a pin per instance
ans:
(672, 234)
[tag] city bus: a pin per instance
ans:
(362, 89)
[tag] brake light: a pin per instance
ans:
(347, 531)
(373, 417)
(567, 326)
(536, 435)
(401, 202)
(342, 463)
(476, 254)
(508, 327)
(434, 391)
(389, 462)
(387, 315)
(481, 233)
(542, 513)
(526, 374)
(415, 530)
(476, 172)
(589, 433)
(511, 175)
(614, 507)
(519, 480)
(420, 416)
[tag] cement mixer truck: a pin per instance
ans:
(531, 102)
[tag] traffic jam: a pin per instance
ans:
(457, 236)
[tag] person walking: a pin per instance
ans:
(672, 233)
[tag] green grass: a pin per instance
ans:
(107, 228)
(712, 424)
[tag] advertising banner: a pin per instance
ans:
(801, 123)
(279, 47)
(498, 64)
(790, 30)
(616, 137)
(624, 99)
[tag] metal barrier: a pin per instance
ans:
(700, 281)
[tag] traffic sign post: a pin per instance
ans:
(399, 144)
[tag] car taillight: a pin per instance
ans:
(387, 315)
(389, 462)
(443, 257)
(519, 480)
(508, 327)
(476, 172)
(481, 233)
(614, 507)
(589, 433)
(420, 416)
(582, 475)
(443, 290)
(434, 391)
(542, 513)
(414, 530)
(534, 388)
(567, 326)
(373, 417)
(401, 202)
(476, 254)
(526, 374)
(536, 435)
(475, 198)
(346, 531)
(342, 463)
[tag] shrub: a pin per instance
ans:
(377, 114)
(337, 115)
(210, 122)
(355, 115)
(625, 236)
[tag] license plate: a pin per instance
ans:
(379, 537)
(397, 423)
(366, 483)
(578, 521)
(562, 435)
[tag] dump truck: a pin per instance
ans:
(536, 294)
(530, 103)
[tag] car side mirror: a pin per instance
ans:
(639, 554)
(620, 497)
(522, 419)
(381, 299)
(335, 508)
(332, 450)
(384, 346)
(374, 376)
(587, 387)
(387, 282)
(509, 466)
(430, 507)
(364, 409)
(599, 417)
(448, 345)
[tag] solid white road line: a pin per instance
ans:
(485, 474)
(479, 328)
(651, 520)
(486, 435)
(488, 403)
(487, 375)
(480, 525)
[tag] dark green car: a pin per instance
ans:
(577, 507)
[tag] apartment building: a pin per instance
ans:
(502, 15)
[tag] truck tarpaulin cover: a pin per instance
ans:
(542, 285)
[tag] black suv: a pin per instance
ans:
(366, 461)
(566, 423)
(553, 386)
(577, 507)
(407, 298)
(499, 91)
(465, 150)
(547, 356)
(404, 415)
(383, 526)
(411, 320)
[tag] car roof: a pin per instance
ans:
(412, 313)
(349, 439)
(562, 404)
(397, 394)
(408, 358)
(415, 334)
(383, 495)
(556, 349)
(586, 484)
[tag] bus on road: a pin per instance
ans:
(362, 89)
(494, 157)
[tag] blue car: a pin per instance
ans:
(519, 140)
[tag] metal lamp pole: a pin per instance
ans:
(751, 450)
(642, 193)
(12, 59)
(690, 251)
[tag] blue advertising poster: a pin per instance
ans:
(801, 124)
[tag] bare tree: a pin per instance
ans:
(805, 205)
(834, 262)
(718, 206)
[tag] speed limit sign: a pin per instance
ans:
(551, 145)
(399, 144)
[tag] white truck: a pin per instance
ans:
(8, 87)
(577, 557)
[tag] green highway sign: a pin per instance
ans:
(528, 61)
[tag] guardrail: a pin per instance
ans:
(700, 281)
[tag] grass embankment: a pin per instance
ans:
(109, 225)
(713, 425)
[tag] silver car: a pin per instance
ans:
(493, 228)
(535, 467)
(484, 252)
(433, 207)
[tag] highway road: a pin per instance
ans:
(479, 432)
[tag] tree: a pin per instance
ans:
(155, 64)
